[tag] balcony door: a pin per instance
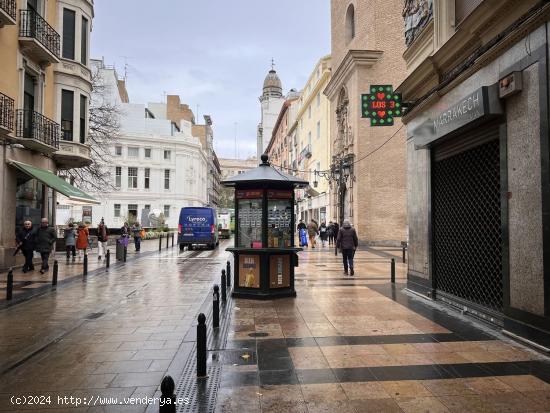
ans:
(28, 105)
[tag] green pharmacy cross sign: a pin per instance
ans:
(381, 105)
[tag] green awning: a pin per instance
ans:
(55, 182)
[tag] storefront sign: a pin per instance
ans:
(483, 103)
(381, 106)
(279, 194)
(249, 271)
(87, 214)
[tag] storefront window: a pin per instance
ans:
(279, 214)
(29, 201)
(249, 219)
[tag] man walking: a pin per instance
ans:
(347, 242)
(102, 237)
(25, 242)
(45, 239)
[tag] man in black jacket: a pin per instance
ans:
(25, 242)
(45, 239)
(347, 241)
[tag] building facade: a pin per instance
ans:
(310, 147)
(230, 168)
(368, 162)
(156, 164)
(205, 134)
(271, 101)
(278, 148)
(45, 87)
(477, 139)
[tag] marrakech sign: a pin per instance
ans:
(381, 105)
(482, 104)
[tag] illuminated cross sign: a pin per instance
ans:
(381, 105)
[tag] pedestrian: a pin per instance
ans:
(82, 241)
(302, 233)
(330, 230)
(124, 235)
(25, 242)
(70, 241)
(323, 233)
(44, 242)
(136, 231)
(102, 238)
(312, 231)
(347, 242)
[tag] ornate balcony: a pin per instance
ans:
(7, 115)
(7, 12)
(37, 38)
(72, 155)
(37, 132)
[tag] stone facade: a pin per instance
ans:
(519, 46)
(367, 48)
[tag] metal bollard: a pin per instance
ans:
(55, 271)
(168, 398)
(85, 270)
(108, 259)
(160, 242)
(393, 270)
(228, 274)
(201, 346)
(125, 253)
(172, 239)
(224, 286)
(404, 254)
(9, 286)
(216, 307)
(167, 240)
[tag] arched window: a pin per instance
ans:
(350, 23)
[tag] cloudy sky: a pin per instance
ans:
(213, 53)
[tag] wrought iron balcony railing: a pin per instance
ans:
(33, 125)
(9, 7)
(7, 114)
(34, 26)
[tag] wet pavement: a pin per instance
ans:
(345, 344)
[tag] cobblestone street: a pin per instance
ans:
(346, 344)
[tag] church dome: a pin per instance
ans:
(272, 85)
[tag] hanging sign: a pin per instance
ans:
(381, 106)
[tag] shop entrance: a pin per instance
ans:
(466, 219)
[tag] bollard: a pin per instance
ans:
(9, 286)
(167, 240)
(55, 271)
(393, 270)
(125, 253)
(228, 274)
(172, 240)
(201, 346)
(85, 270)
(108, 259)
(404, 252)
(216, 307)
(167, 402)
(224, 286)
(160, 242)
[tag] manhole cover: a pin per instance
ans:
(93, 316)
(258, 334)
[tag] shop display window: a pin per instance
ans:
(249, 219)
(279, 216)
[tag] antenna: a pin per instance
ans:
(272, 64)
(126, 66)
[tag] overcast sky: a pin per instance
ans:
(213, 53)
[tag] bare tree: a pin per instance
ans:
(103, 132)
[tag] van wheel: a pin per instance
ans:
(182, 247)
(190, 247)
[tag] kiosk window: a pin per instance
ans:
(250, 223)
(279, 213)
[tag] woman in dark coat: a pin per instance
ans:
(323, 233)
(25, 242)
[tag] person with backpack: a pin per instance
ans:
(102, 238)
(347, 241)
(323, 233)
(312, 231)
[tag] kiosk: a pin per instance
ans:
(264, 250)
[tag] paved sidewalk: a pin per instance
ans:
(357, 344)
(27, 284)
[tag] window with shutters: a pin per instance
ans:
(68, 33)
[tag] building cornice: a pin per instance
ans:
(353, 59)
(321, 83)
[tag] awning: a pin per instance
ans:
(55, 182)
